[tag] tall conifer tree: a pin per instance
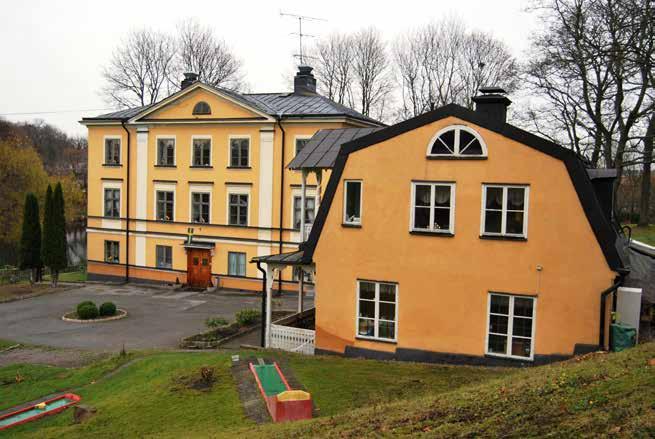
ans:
(30, 242)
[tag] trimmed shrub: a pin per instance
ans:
(107, 309)
(247, 317)
(87, 311)
(215, 322)
(82, 304)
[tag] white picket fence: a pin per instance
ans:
(292, 339)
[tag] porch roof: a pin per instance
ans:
(199, 244)
(291, 258)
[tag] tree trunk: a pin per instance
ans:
(649, 139)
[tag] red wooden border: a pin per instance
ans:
(74, 400)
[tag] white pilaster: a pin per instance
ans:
(141, 193)
(265, 189)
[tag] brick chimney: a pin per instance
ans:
(492, 103)
(304, 82)
(189, 78)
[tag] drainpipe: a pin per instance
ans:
(603, 308)
(263, 331)
(279, 123)
(127, 205)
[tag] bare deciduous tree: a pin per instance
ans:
(138, 70)
(333, 57)
(201, 52)
(443, 63)
(371, 71)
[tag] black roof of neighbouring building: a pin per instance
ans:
(323, 148)
(605, 234)
(287, 105)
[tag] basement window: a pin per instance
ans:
(457, 141)
(510, 326)
(164, 255)
(112, 252)
(377, 310)
(202, 108)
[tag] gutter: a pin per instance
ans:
(127, 209)
(603, 307)
(278, 118)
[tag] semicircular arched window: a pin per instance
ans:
(457, 141)
(202, 108)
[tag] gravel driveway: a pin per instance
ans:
(157, 317)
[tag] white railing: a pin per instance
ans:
(292, 339)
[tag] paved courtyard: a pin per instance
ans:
(157, 317)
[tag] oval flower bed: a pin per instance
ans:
(88, 312)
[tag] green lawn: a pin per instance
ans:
(644, 234)
(73, 276)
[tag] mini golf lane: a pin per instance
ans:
(37, 411)
(283, 403)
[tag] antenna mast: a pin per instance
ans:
(300, 55)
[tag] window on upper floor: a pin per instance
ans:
(201, 152)
(112, 252)
(352, 202)
(112, 203)
(200, 207)
(239, 152)
(112, 151)
(510, 326)
(505, 211)
(238, 209)
(457, 141)
(165, 206)
(433, 207)
(164, 255)
(166, 152)
(310, 207)
(236, 264)
(377, 310)
(202, 108)
(300, 144)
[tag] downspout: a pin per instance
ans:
(603, 308)
(127, 209)
(279, 123)
(263, 331)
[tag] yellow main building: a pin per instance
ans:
(191, 188)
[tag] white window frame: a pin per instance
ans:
(166, 137)
(104, 150)
(432, 184)
(237, 190)
(376, 320)
(164, 187)
(112, 185)
(297, 193)
(229, 150)
(456, 152)
(295, 142)
(245, 265)
(510, 327)
(503, 226)
(204, 189)
(361, 201)
(157, 257)
(211, 150)
(104, 249)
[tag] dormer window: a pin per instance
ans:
(457, 141)
(202, 108)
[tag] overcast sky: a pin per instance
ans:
(53, 51)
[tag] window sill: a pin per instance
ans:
(239, 167)
(238, 225)
(164, 221)
(201, 167)
(112, 165)
(165, 166)
(112, 262)
(508, 357)
(115, 218)
(458, 157)
(377, 340)
(352, 226)
(425, 233)
(503, 238)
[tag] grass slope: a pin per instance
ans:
(601, 395)
(644, 234)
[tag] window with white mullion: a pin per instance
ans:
(377, 310)
(433, 207)
(505, 210)
(510, 330)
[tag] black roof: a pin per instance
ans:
(292, 258)
(604, 232)
(286, 105)
(322, 149)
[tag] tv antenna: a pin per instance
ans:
(300, 55)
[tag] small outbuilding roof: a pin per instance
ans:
(292, 258)
(323, 148)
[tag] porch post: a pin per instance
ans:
(301, 289)
(319, 180)
(270, 277)
(303, 196)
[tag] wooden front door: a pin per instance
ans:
(199, 267)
